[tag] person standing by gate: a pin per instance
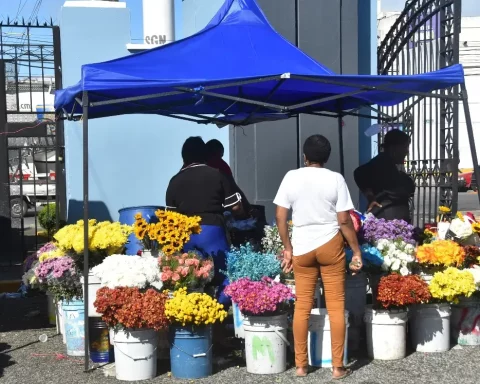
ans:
(387, 188)
(199, 190)
(321, 204)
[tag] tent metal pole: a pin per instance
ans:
(85, 227)
(162, 94)
(340, 143)
(471, 137)
(374, 88)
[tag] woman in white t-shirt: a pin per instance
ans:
(320, 203)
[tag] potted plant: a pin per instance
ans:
(391, 236)
(105, 238)
(60, 277)
(136, 315)
(191, 316)
(168, 233)
(245, 262)
(387, 321)
(459, 288)
(187, 270)
(262, 303)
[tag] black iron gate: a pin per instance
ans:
(425, 38)
(32, 172)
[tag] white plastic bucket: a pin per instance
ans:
(135, 354)
(94, 284)
(386, 333)
(52, 318)
(60, 321)
(465, 322)
(320, 340)
(355, 302)
(238, 319)
(430, 327)
(266, 344)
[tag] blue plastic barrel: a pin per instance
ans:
(127, 216)
(190, 352)
(100, 349)
(74, 327)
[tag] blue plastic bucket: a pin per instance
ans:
(190, 352)
(100, 349)
(74, 327)
(127, 216)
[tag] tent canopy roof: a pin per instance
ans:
(237, 69)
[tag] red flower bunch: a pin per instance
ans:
(472, 256)
(188, 270)
(400, 291)
(132, 308)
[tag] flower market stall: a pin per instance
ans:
(281, 82)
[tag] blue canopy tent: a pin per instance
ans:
(238, 70)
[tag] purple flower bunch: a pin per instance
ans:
(60, 277)
(259, 297)
(377, 229)
(56, 268)
(35, 256)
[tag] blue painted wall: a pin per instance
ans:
(132, 158)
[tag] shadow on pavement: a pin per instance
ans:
(24, 313)
(5, 358)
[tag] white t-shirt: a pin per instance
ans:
(315, 196)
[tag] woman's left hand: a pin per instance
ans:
(287, 263)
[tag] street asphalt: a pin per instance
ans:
(25, 360)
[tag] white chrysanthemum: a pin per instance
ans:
(395, 265)
(129, 271)
(461, 229)
(404, 271)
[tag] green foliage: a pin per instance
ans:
(48, 219)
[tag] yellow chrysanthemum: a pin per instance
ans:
(443, 209)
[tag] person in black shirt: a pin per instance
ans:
(387, 188)
(199, 190)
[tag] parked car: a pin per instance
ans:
(474, 183)
(464, 181)
(33, 184)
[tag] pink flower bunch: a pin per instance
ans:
(188, 270)
(259, 297)
(56, 268)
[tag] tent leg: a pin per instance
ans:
(471, 137)
(85, 223)
(340, 144)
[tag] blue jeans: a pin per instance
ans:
(212, 242)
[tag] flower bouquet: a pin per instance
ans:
(271, 242)
(131, 308)
(380, 229)
(440, 253)
(452, 284)
(265, 297)
(169, 234)
(246, 262)
(187, 270)
(397, 292)
(29, 278)
(104, 239)
(60, 277)
(193, 309)
(129, 271)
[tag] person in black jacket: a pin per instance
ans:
(387, 188)
(199, 190)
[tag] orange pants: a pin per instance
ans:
(329, 261)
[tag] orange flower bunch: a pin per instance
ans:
(132, 308)
(441, 252)
(400, 291)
